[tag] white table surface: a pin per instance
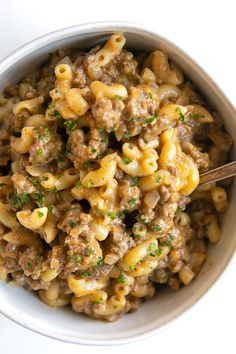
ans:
(205, 30)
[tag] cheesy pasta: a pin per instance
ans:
(100, 156)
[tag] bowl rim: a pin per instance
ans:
(92, 27)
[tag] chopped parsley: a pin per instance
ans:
(120, 98)
(112, 214)
(126, 160)
(134, 119)
(40, 152)
(158, 179)
(103, 135)
(206, 226)
(73, 223)
(145, 220)
(89, 251)
(33, 180)
(50, 207)
(120, 278)
(94, 150)
(99, 301)
(73, 258)
(158, 251)
(151, 248)
(133, 267)
(172, 236)
(70, 124)
(98, 263)
(2, 184)
(39, 199)
(79, 184)
(40, 214)
(135, 181)
(150, 119)
(178, 210)
(85, 274)
(89, 184)
(157, 227)
(133, 201)
(57, 115)
(98, 211)
(181, 116)
(29, 265)
(18, 200)
(149, 95)
(127, 135)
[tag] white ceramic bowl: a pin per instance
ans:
(23, 306)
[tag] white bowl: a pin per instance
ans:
(23, 306)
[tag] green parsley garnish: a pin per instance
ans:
(157, 227)
(127, 135)
(112, 214)
(89, 184)
(172, 236)
(158, 251)
(103, 135)
(134, 119)
(133, 201)
(135, 181)
(40, 214)
(40, 152)
(39, 199)
(149, 95)
(79, 184)
(150, 119)
(2, 184)
(178, 210)
(151, 247)
(85, 274)
(70, 124)
(89, 252)
(126, 160)
(57, 115)
(120, 98)
(97, 301)
(98, 211)
(181, 116)
(94, 150)
(73, 223)
(133, 267)
(29, 265)
(18, 200)
(120, 278)
(206, 226)
(145, 220)
(50, 207)
(33, 180)
(158, 179)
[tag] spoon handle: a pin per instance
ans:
(218, 173)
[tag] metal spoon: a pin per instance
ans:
(218, 173)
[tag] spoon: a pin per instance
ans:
(218, 173)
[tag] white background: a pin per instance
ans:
(204, 29)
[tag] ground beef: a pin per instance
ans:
(4, 153)
(22, 183)
(107, 113)
(45, 85)
(119, 242)
(80, 77)
(130, 196)
(139, 103)
(200, 159)
(47, 146)
(31, 262)
(86, 147)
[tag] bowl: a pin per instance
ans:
(23, 306)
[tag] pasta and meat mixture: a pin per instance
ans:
(100, 156)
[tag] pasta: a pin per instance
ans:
(100, 165)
